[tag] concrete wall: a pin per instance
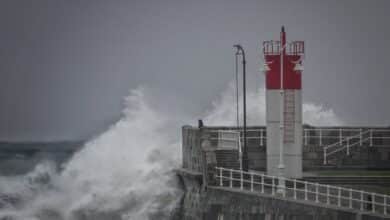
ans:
(191, 149)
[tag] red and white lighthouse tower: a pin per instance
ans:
(283, 68)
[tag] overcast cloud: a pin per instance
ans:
(66, 65)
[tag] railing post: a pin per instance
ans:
(295, 189)
(371, 137)
(231, 178)
(317, 200)
(327, 195)
(306, 137)
(305, 190)
(241, 180)
(361, 137)
(220, 177)
(284, 186)
(340, 135)
(350, 198)
(261, 137)
(361, 200)
(348, 146)
(273, 186)
(251, 182)
(325, 162)
(373, 202)
(339, 196)
(320, 137)
(262, 183)
(385, 204)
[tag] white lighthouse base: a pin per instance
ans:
(292, 138)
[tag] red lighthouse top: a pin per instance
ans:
(286, 56)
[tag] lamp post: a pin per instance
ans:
(241, 51)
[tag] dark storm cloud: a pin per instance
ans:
(65, 65)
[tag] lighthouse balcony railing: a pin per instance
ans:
(291, 48)
(294, 189)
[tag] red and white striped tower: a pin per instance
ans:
(283, 68)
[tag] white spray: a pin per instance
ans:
(223, 111)
(126, 173)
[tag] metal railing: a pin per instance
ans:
(230, 140)
(303, 191)
(346, 143)
(291, 48)
(260, 134)
(324, 136)
(327, 136)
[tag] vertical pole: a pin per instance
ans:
(305, 190)
(305, 136)
(339, 196)
(361, 137)
(373, 202)
(361, 200)
(244, 109)
(239, 148)
(251, 182)
(295, 189)
(220, 177)
(261, 137)
(317, 200)
(350, 198)
(340, 135)
(241, 180)
(262, 183)
(370, 137)
(245, 153)
(325, 162)
(273, 186)
(320, 137)
(348, 146)
(231, 178)
(385, 205)
(281, 135)
(327, 195)
(284, 186)
(237, 97)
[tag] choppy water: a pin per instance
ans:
(125, 173)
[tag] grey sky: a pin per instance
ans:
(65, 65)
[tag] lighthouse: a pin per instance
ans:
(283, 69)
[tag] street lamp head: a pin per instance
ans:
(237, 46)
(240, 51)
